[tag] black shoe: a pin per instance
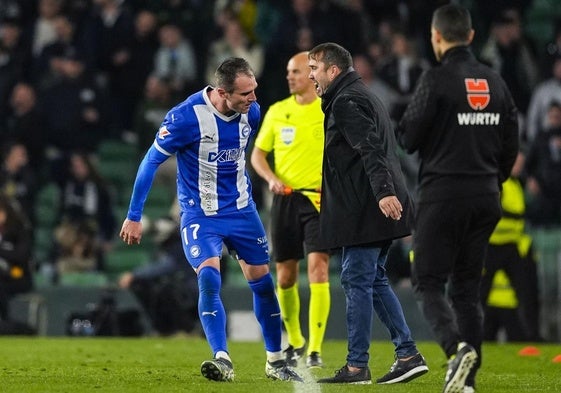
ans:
(314, 360)
(344, 375)
(281, 371)
(405, 370)
(292, 354)
(459, 368)
(218, 370)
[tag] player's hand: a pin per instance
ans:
(391, 207)
(131, 231)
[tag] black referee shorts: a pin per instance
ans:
(294, 227)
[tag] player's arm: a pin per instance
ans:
(418, 119)
(131, 231)
(263, 169)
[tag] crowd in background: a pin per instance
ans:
(74, 73)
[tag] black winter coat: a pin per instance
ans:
(360, 167)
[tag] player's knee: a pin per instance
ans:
(209, 280)
(263, 286)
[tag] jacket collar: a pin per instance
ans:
(456, 53)
(343, 80)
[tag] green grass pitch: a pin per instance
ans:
(79, 365)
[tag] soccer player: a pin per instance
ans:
(209, 133)
(293, 130)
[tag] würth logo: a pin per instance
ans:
(477, 93)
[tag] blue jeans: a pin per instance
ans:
(363, 277)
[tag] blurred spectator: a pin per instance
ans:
(175, 60)
(167, 287)
(363, 19)
(509, 52)
(86, 222)
(543, 170)
(42, 31)
(108, 37)
(130, 78)
(400, 70)
(13, 62)
(233, 43)
(509, 287)
(486, 12)
(18, 180)
(302, 25)
(45, 67)
(16, 241)
(21, 10)
(74, 107)
(152, 108)
(193, 17)
(350, 24)
(364, 67)
(25, 124)
(543, 95)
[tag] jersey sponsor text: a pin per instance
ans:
(479, 119)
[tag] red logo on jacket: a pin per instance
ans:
(477, 93)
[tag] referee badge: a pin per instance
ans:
(287, 135)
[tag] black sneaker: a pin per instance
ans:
(344, 375)
(218, 370)
(292, 354)
(405, 370)
(459, 368)
(281, 371)
(314, 360)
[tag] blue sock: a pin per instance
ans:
(211, 309)
(267, 311)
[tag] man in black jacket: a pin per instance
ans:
(463, 123)
(364, 206)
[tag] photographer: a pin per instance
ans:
(166, 287)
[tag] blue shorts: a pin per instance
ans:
(242, 232)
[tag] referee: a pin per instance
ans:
(292, 130)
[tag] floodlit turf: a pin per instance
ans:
(29, 365)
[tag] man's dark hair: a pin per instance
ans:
(453, 22)
(229, 69)
(330, 54)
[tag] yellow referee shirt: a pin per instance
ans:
(294, 134)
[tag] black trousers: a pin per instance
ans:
(449, 244)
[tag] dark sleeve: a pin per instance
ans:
(363, 128)
(419, 115)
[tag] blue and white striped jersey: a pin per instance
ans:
(211, 164)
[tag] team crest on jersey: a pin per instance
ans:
(163, 132)
(477, 93)
(287, 135)
(245, 131)
(195, 251)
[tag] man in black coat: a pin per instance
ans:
(463, 122)
(364, 206)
